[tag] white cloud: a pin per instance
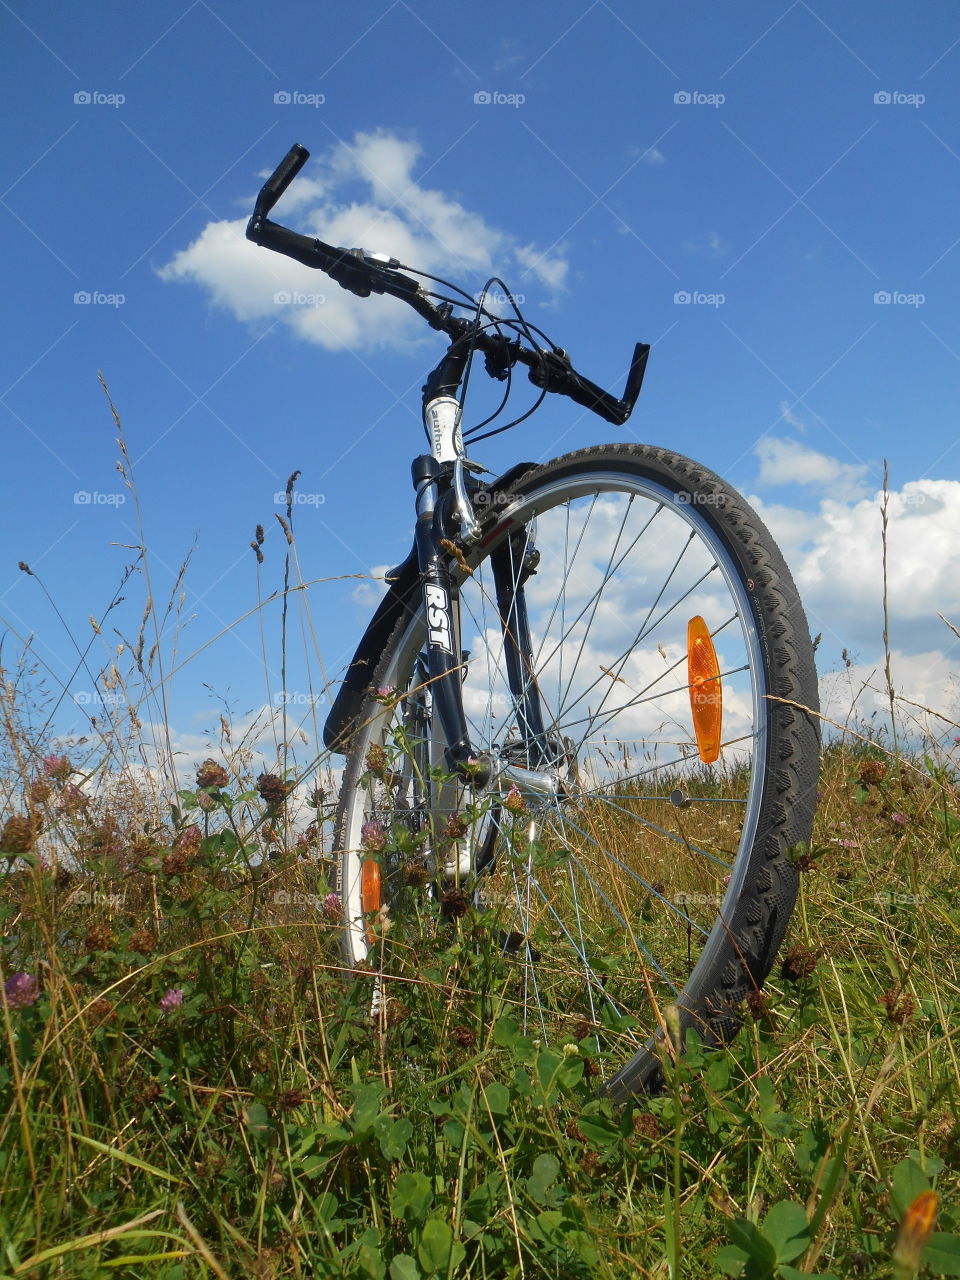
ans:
(835, 553)
(364, 194)
(785, 461)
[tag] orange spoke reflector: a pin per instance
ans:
(371, 887)
(706, 693)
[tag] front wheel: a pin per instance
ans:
(649, 712)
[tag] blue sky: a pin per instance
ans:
(785, 168)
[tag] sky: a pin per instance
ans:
(766, 193)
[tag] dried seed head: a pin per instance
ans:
(211, 774)
(273, 790)
(20, 833)
(455, 903)
(872, 773)
(798, 963)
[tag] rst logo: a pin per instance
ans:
(438, 617)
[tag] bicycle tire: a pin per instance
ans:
(778, 774)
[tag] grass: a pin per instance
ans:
(191, 1083)
(264, 1127)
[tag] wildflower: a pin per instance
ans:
(101, 1011)
(20, 833)
(142, 941)
(899, 818)
(273, 790)
(172, 1000)
(290, 1099)
(373, 836)
(847, 844)
(332, 907)
(376, 758)
(514, 801)
(416, 873)
(72, 799)
(22, 989)
(100, 938)
(915, 1229)
(39, 791)
(384, 693)
(211, 774)
(57, 767)
(317, 797)
(456, 828)
(900, 1007)
(872, 773)
(455, 903)
(799, 962)
(758, 1005)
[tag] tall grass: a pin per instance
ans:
(191, 1084)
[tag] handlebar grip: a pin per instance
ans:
(280, 179)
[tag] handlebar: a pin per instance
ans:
(363, 273)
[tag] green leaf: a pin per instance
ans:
(942, 1254)
(498, 1098)
(785, 1226)
(731, 1260)
(755, 1245)
(437, 1250)
(777, 1123)
(545, 1170)
(909, 1179)
(599, 1130)
(257, 1120)
(403, 1267)
(393, 1136)
(811, 1146)
(366, 1107)
(412, 1196)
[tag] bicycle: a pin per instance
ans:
(586, 706)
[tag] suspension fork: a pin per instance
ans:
(513, 562)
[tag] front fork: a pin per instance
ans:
(512, 564)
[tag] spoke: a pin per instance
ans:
(629, 870)
(641, 635)
(652, 826)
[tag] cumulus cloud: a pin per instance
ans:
(834, 548)
(786, 462)
(362, 193)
